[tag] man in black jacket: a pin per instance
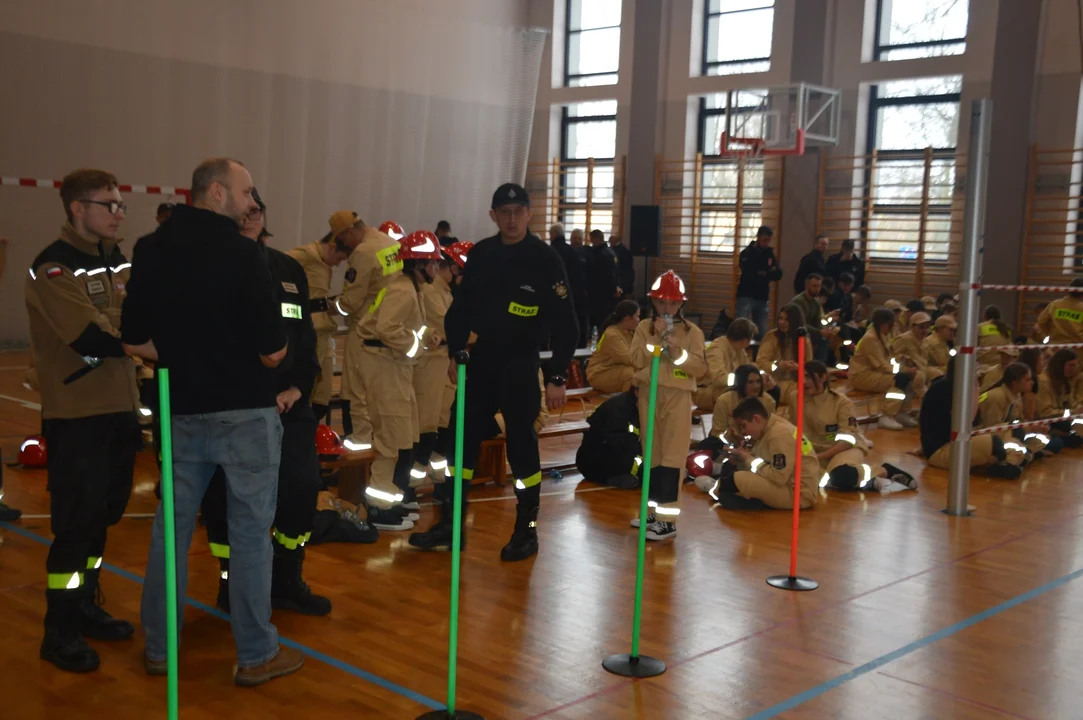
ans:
(575, 266)
(814, 262)
(602, 281)
(759, 269)
(625, 266)
(847, 261)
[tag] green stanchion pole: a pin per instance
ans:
(634, 664)
(166, 434)
(456, 546)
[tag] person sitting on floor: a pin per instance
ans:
(610, 453)
(778, 351)
(1056, 399)
(990, 375)
(991, 332)
(874, 370)
(1003, 404)
(908, 349)
(724, 355)
(610, 369)
(831, 427)
(765, 477)
(938, 347)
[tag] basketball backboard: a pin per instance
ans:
(781, 120)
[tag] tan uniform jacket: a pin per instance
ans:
(722, 360)
(829, 418)
(871, 356)
(74, 293)
(372, 266)
(395, 319)
(1062, 320)
(318, 274)
(991, 377)
(938, 352)
(988, 335)
(1050, 402)
(998, 406)
(776, 452)
(908, 347)
(436, 299)
(769, 354)
(722, 416)
(610, 368)
(681, 377)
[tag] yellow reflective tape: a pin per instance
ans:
(601, 340)
(989, 329)
(379, 299)
(289, 310)
(523, 310)
(529, 482)
(290, 543)
(468, 473)
(93, 563)
(680, 374)
(983, 397)
(806, 446)
(389, 259)
(65, 581)
(1070, 315)
(219, 551)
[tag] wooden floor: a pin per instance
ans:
(918, 615)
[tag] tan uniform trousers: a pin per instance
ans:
(852, 457)
(617, 378)
(780, 497)
(431, 389)
(672, 431)
(389, 387)
(875, 382)
(325, 351)
(981, 453)
(353, 387)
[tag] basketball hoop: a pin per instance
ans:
(757, 147)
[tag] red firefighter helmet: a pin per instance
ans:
(420, 245)
(700, 463)
(668, 286)
(32, 452)
(328, 443)
(392, 229)
(458, 251)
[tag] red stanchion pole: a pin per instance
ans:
(792, 581)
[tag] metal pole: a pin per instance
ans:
(962, 405)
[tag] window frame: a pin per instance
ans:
(879, 49)
(567, 206)
(706, 65)
(568, 75)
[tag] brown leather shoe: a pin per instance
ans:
(155, 667)
(285, 662)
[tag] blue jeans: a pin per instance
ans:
(248, 445)
(756, 311)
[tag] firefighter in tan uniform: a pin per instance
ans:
(682, 364)
(908, 349)
(724, 355)
(748, 381)
(373, 265)
(610, 369)
(992, 331)
(937, 348)
(318, 259)
(1003, 403)
(393, 336)
(74, 293)
(874, 370)
(1062, 320)
(1056, 399)
(766, 477)
(831, 427)
(778, 349)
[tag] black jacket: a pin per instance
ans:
(602, 278)
(301, 365)
(625, 269)
(814, 262)
(836, 266)
(516, 298)
(574, 265)
(759, 269)
(611, 445)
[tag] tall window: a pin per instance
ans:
(589, 131)
(906, 118)
(737, 36)
(592, 50)
(726, 191)
(908, 29)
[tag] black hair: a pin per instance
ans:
(741, 329)
(443, 225)
(748, 408)
(846, 278)
(814, 276)
(788, 340)
(740, 379)
(1055, 369)
(864, 290)
(942, 297)
(1013, 372)
(624, 309)
(992, 314)
(1031, 357)
(815, 367)
(915, 306)
(882, 316)
(847, 244)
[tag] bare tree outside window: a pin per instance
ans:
(908, 29)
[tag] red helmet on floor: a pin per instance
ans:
(700, 463)
(668, 286)
(328, 443)
(420, 245)
(32, 452)
(458, 251)
(392, 229)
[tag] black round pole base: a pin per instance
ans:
(445, 715)
(636, 667)
(788, 582)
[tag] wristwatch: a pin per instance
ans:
(557, 380)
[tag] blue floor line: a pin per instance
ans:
(314, 654)
(894, 655)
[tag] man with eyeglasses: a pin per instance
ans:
(74, 292)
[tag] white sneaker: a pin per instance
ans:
(887, 486)
(906, 421)
(704, 482)
(391, 519)
(650, 521)
(407, 512)
(661, 530)
(888, 423)
(868, 442)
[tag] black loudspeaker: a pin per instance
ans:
(645, 238)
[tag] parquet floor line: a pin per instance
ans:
(829, 606)
(310, 652)
(959, 698)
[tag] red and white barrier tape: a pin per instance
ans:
(1021, 425)
(1043, 346)
(138, 189)
(1026, 288)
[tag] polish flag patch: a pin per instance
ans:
(54, 272)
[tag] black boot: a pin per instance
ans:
(94, 622)
(9, 514)
(63, 645)
(438, 537)
(223, 585)
(524, 539)
(289, 591)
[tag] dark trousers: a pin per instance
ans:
(582, 316)
(91, 464)
(298, 486)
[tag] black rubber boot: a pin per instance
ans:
(289, 591)
(7, 514)
(223, 585)
(524, 539)
(94, 622)
(63, 645)
(438, 537)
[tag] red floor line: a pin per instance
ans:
(960, 698)
(825, 608)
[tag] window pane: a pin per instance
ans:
(597, 139)
(905, 127)
(592, 80)
(740, 36)
(720, 183)
(921, 87)
(593, 108)
(575, 185)
(594, 51)
(587, 14)
(716, 230)
(742, 68)
(898, 182)
(895, 236)
(600, 219)
(913, 21)
(924, 51)
(735, 5)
